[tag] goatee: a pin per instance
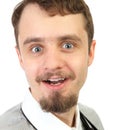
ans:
(56, 103)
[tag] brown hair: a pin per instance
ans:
(53, 7)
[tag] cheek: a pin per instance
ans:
(31, 71)
(80, 68)
(79, 64)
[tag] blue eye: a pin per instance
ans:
(68, 45)
(36, 49)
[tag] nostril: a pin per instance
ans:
(53, 65)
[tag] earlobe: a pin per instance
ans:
(92, 52)
(19, 56)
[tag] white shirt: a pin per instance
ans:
(45, 120)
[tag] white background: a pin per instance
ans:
(99, 89)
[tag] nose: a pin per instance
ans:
(54, 60)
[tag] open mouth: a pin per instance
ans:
(55, 81)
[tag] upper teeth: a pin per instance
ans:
(52, 80)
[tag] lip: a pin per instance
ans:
(58, 86)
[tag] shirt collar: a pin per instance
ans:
(44, 120)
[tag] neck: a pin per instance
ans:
(68, 117)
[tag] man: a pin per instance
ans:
(55, 47)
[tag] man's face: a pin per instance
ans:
(53, 51)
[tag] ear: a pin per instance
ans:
(91, 52)
(19, 56)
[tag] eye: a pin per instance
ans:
(68, 45)
(36, 49)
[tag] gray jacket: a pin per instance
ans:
(14, 119)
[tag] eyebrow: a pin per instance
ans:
(70, 37)
(60, 38)
(32, 39)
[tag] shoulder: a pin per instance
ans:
(13, 119)
(91, 115)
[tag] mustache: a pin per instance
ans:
(60, 74)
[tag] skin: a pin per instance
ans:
(51, 36)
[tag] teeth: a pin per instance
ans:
(55, 80)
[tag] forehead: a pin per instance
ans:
(35, 21)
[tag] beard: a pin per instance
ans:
(56, 103)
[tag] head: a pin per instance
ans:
(55, 46)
